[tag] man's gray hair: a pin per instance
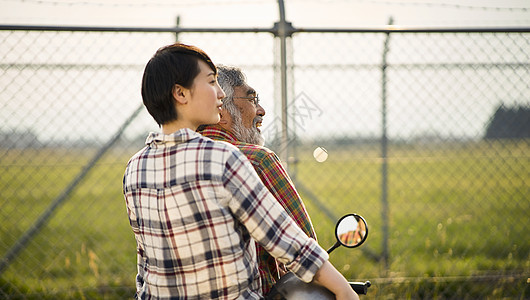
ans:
(228, 78)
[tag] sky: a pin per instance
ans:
(263, 13)
(260, 14)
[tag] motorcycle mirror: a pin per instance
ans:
(351, 231)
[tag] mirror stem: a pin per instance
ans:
(337, 244)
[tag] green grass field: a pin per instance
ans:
(458, 221)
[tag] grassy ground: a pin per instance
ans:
(454, 212)
(458, 221)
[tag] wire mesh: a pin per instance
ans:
(457, 124)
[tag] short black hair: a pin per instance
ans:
(173, 64)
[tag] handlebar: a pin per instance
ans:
(360, 288)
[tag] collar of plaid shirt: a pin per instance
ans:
(275, 177)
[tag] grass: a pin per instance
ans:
(458, 221)
(455, 212)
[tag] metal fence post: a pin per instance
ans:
(384, 154)
(283, 29)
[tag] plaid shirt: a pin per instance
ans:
(273, 175)
(195, 206)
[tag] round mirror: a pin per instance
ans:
(351, 230)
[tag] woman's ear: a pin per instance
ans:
(179, 93)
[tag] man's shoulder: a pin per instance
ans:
(253, 148)
(256, 151)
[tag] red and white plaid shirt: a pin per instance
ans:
(195, 205)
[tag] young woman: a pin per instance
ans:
(196, 206)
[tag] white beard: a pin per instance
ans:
(246, 135)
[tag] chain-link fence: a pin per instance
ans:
(427, 134)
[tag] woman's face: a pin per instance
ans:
(205, 97)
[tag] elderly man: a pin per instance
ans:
(240, 118)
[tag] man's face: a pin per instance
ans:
(245, 126)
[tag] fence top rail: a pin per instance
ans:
(400, 29)
(128, 29)
(383, 29)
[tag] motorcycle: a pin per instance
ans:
(351, 231)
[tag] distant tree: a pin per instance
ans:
(19, 139)
(509, 122)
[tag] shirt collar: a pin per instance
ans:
(217, 132)
(156, 139)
